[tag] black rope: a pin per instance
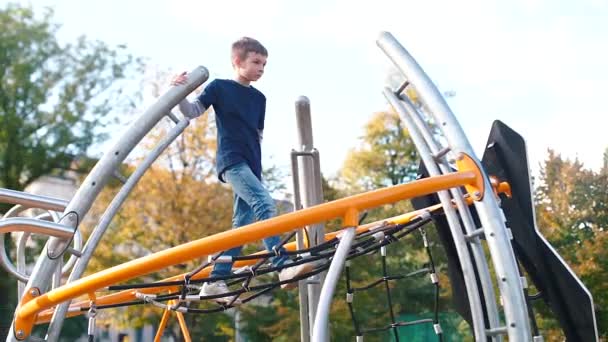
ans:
(388, 293)
(368, 242)
(435, 281)
(392, 236)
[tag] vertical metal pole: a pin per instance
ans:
(302, 284)
(310, 187)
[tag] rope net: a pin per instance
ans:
(250, 282)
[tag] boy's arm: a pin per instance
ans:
(194, 109)
(260, 134)
(191, 109)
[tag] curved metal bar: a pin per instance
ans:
(19, 271)
(106, 218)
(80, 204)
(25, 314)
(26, 224)
(31, 200)
(21, 263)
(492, 221)
(461, 245)
(406, 107)
(320, 330)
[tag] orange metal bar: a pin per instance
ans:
(183, 326)
(236, 237)
(129, 295)
(162, 325)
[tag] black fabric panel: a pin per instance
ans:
(505, 157)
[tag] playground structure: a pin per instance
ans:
(478, 205)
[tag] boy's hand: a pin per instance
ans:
(179, 79)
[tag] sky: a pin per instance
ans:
(540, 66)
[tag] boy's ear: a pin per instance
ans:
(236, 61)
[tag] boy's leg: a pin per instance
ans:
(241, 215)
(250, 189)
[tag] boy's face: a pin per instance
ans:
(252, 67)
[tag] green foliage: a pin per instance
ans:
(572, 213)
(386, 155)
(178, 200)
(54, 98)
(54, 103)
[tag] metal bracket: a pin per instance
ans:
(464, 162)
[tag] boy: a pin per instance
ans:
(240, 110)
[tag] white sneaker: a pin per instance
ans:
(217, 288)
(293, 271)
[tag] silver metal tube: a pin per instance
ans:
(57, 275)
(27, 225)
(302, 284)
(31, 225)
(22, 280)
(503, 257)
(313, 194)
(468, 272)
(321, 326)
(107, 165)
(485, 279)
(106, 218)
(31, 200)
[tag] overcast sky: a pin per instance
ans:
(538, 65)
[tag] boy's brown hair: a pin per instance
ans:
(243, 46)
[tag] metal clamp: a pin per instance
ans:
(92, 314)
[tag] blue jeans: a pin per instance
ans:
(251, 201)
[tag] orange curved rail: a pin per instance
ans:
(346, 208)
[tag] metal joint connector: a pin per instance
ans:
(434, 278)
(378, 236)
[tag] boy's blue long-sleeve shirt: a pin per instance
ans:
(239, 115)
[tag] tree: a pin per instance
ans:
(54, 99)
(178, 200)
(54, 102)
(572, 212)
(385, 157)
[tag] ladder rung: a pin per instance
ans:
(497, 331)
(74, 251)
(173, 117)
(402, 87)
(474, 234)
(437, 157)
(119, 176)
